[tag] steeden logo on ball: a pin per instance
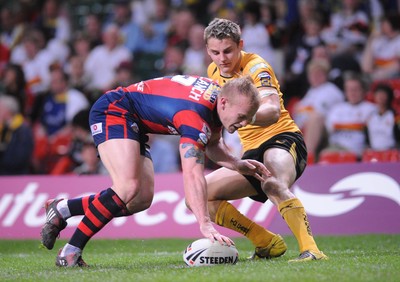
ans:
(203, 252)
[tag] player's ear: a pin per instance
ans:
(240, 45)
(223, 100)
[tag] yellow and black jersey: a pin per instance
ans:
(263, 76)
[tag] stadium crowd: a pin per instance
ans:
(338, 63)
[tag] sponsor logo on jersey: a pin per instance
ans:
(206, 130)
(199, 87)
(96, 128)
(172, 130)
(212, 92)
(140, 86)
(135, 127)
(203, 138)
(265, 78)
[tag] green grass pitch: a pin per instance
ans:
(351, 258)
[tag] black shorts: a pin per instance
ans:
(292, 142)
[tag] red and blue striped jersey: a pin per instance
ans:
(179, 105)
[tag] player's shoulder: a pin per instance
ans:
(253, 64)
(212, 70)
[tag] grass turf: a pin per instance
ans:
(351, 258)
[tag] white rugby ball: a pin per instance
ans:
(203, 252)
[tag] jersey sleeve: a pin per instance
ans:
(193, 129)
(261, 72)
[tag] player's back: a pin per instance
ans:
(165, 103)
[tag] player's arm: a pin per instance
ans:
(194, 182)
(270, 107)
(219, 153)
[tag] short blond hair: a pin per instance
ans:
(243, 86)
(221, 29)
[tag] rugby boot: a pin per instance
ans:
(309, 256)
(55, 223)
(71, 260)
(276, 248)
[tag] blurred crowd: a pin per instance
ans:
(338, 63)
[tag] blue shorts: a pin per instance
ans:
(110, 119)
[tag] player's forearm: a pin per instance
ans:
(196, 196)
(267, 115)
(219, 154)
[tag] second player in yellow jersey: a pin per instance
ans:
(273, 138)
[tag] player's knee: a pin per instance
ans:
(139, 203)
(127, 190)
(273, 187)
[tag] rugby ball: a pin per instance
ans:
(203, 252)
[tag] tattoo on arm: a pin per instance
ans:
(193, 151)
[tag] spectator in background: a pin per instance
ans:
(173, 61)
(122, 17)
(104, 59)
(346, 122)
(53, 22)
(80, 45)
(338, 67)
(13, 83)
(92, 30)
(124, 75)
(153, 39)
(56, 108)
(78, 79)
(154, 32)
(51, 116)
(381, 56)
(91, 164)
(83, 153)
(181, 23)
(311, 111)
(348, 29)
(12, 29)
(382, 131)
(165, 153)
(298, 55)
(35, 61)
(195, 61)
(274, 25)
(254, 33)
(55, 26)
(16, 139)
(79, 158)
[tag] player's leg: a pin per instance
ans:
(77, 206)
(283, 169)
(224, 184)
(59, 210)
(121, 158)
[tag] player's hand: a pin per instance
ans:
(208, 231)
(254, 168)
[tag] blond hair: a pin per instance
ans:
(221, 29)
(242, 86)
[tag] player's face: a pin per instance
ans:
(225, 54)
(236, 113)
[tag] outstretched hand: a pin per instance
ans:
(208, 231)
(254, 168)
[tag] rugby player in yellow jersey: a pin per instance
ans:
(272, 138)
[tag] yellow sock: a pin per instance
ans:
(293, 213)
(228, 216)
